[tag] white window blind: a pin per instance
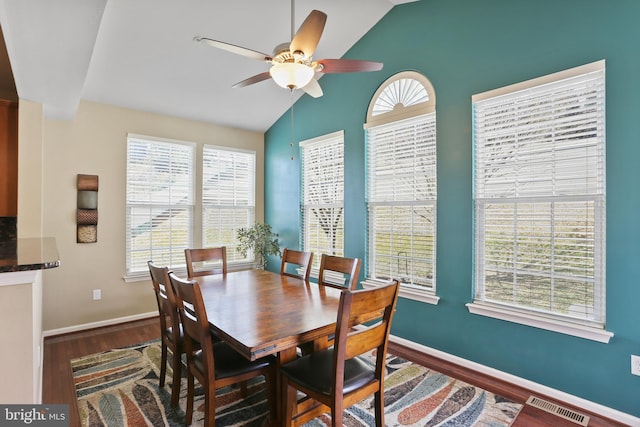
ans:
(540, 196)
(322, 162)
(160, 202)
(401, 196)
(228, 197)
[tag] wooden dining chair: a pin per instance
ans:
(347, 268)
(213, 364)
(296, 259)
(338, 377)
(342, 274)
(199, 261)
(170, 328)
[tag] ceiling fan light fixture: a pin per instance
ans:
(291, 75)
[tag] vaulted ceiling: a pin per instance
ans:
(140, 54)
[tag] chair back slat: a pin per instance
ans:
(165, 297)
(361, 342)
(339, 267)
(206, 261)
(302, 260)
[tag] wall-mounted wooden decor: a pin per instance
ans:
(87, 209)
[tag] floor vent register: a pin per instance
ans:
(558, 410)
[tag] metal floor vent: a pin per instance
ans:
(558, 410)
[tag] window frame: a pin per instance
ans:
(250, 205)
(143, 273)
(337, 139)
(593, 329)
(399, 103)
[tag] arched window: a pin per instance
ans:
(402, 96)
(401, 185)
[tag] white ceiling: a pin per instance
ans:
(140, 54)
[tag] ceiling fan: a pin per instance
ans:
(292, 65)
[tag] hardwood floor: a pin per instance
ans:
(57, 385)
(528, 417)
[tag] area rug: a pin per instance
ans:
(120, 387)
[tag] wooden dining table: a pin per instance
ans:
(260, 313)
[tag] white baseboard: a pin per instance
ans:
(109, 322)
(579, 402)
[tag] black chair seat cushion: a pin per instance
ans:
(230, 363)
(314, 371)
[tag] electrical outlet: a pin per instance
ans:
(635, 364)
(97, 294)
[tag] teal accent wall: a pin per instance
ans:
(466, 47)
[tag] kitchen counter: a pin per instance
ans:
(22, 262)
(28, 254)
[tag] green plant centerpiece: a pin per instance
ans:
(261, 240)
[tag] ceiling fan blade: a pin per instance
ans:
(347, 66)
(234, 49)
(313, 88)
(308, 35)
(253, 79)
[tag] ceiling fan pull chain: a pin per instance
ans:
(292, 128)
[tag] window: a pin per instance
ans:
(539, 196)
(401, 185)
(160, 202)
(322, 161)
(228, 197)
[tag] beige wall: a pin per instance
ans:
(30, 163)
(94, 142)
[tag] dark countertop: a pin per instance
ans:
(28, 254)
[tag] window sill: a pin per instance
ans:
(529, 319)
(406, 291)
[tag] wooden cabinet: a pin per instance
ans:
(8, 158)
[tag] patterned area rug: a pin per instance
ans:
(120, 388)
